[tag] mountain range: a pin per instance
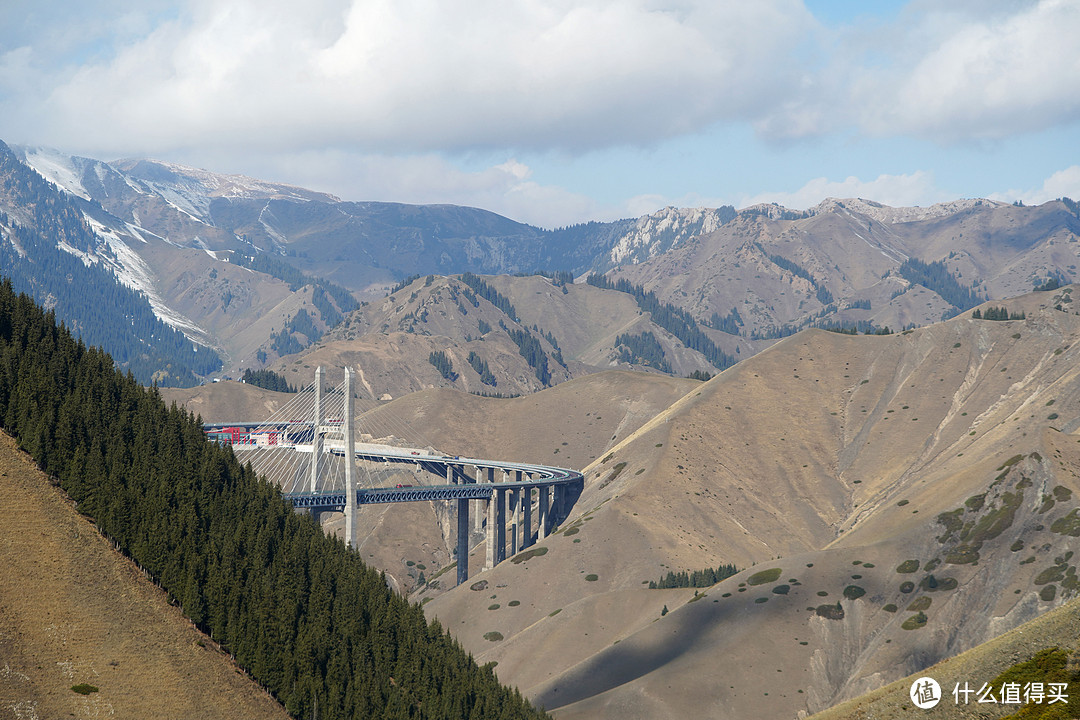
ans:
(259, 271)
(892, 494)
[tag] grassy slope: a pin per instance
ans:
(390, 340)
(73, 610)
(227, 400)
(1059, 627)
(755, 465)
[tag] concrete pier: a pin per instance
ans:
(500, 526)
(526, 519)
(495, 529)
(462, 541)
(478, 508)
(515, 519)
(542, 512)
(557, 501)
(521, 525)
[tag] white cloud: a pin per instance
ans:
(15, 73)
(948, 72)
(412, 76)
(1063, 183)
(915, 189)
(988, 79)
(406, 76)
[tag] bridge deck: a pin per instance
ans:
(546, 476)
(466, 491)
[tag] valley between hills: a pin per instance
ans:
(894, 501)
(896, 498)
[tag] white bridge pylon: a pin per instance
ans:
(344, 432)
(308, 448)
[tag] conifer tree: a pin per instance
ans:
(297, 609)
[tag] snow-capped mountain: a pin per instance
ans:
(231, 260)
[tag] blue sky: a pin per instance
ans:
(554, 112)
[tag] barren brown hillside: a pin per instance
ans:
(924, 481)
(238, 308)
(587, 321)
(853, 248)
(389, 341)
(73, 611)
(569, 425)
(227, 400)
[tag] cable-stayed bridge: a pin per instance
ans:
(308, 448)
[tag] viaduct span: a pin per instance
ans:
(514, 504)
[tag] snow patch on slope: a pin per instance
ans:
(191, 190)
(195, 206)
(242, 186)
(133, 272)
(205, 248)
(270, 230)
(137, 233)
(66, 172)
(60, 169)
(87, 258)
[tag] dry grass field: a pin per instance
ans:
(841, 462)
(73, 611)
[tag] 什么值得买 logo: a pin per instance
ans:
(925, 693)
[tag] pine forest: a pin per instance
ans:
(301, 612)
